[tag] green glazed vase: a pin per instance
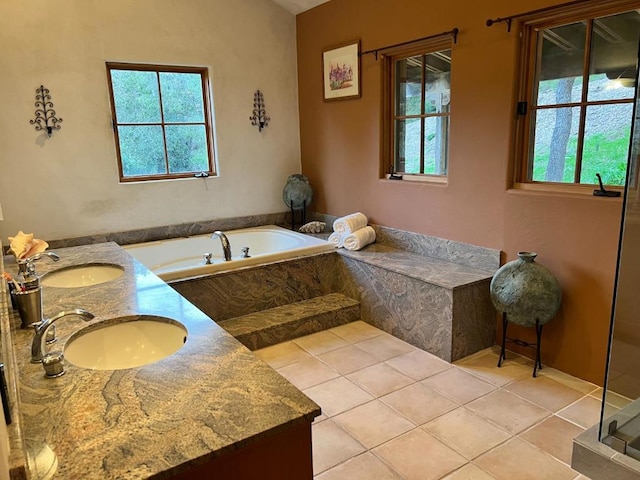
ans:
(526, 291)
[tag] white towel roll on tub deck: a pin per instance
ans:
(360, 238)
(336, 239)
(350, 223)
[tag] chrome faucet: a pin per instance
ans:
(28, 269)
(25, 265)
(39, 339)
(226, 246)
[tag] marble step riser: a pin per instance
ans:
(274, 334)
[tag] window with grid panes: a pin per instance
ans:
(416, 121)
(576, 114)
(162, 121)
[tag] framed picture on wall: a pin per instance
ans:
(341, 71)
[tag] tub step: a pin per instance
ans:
(279, 324)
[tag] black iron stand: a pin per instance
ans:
(537, 363)
(293, 214)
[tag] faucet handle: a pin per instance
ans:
(53, 364)
(50, 337)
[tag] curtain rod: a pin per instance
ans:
(507, 20)
(453, 33)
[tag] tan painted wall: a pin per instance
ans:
(575, 236)
(67, 185)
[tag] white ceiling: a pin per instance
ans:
(299, 6)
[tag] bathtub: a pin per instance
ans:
(179, 258)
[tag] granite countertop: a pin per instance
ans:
(210, 398)
(421, 267)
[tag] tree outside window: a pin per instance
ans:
(161, 121)
(582, 100)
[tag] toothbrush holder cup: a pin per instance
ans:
(29, 305)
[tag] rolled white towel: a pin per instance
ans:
(360, 238)
(350, 223)
(337, 239)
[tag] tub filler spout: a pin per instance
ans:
(226, 246)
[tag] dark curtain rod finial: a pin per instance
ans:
(508, 20)
(490, 22)
(453, 33)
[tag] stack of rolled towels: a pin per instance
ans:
(352, 232)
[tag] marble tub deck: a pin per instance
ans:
(210, 398)
(440, 306)
(445, 274)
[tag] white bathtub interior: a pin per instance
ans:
(180, 258)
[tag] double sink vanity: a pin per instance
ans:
(201, 406)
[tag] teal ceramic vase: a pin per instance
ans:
(526, 291)
(297, 193)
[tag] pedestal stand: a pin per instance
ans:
(537, 364)
(293, 214)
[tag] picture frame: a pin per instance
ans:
(341, 71)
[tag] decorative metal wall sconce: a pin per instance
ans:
(45, 114)
(259, 116)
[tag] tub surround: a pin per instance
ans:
(173, 231)
(245, 291)
(474, 256)
(439, 302)
(152, 234)
(428, 291)
(441, 307)
(438, 272)
(210, 402)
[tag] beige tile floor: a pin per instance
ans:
(392, 411)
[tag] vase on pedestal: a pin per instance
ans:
(527, 294)
(297, 195)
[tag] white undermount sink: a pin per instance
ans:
(82, 275)
(125, 342)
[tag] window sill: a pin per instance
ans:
(419, 179)
(139, 180)
(564, 189)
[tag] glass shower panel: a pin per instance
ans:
(620, 417)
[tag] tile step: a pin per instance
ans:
(275, 325)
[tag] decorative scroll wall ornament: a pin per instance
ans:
(45, 114)
(259, 116)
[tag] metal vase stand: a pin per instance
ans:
(537, 363)
(293, 214)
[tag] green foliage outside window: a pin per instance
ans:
(581, 113)
(161, 122)
(421, 114)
